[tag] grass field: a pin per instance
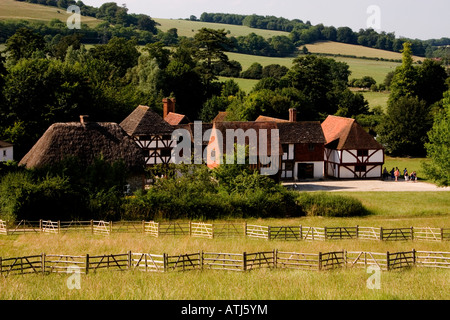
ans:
(189, 28)
(411, 164)
(376, 99)
(15, 10)
(330, 47)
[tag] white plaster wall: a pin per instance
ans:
(6, 154)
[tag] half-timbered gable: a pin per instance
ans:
(350, 151)
(151, 133)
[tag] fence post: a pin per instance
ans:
(244, 261)
(320, 261)
(212, 231)
(200, 258)
(268, 233)
(326, 236)
(43, 263)
(1, 266)
(388, 263)
(301, 232)
(245, 229)
(59, 226)
(129, 259)
(357, 232)
(275, 258)
(381, 234)
(190, 229)
(442, 234)
(412, 233)
(165, 262)
(143, 226)
(92, 226)
(345, 258)
(110, 226)
(40, 225)
(87, 264)
(414, 257)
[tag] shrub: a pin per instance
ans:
(328, 205)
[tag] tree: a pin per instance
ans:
(403, 130)
(438, 148)
(431, 81)
(23, 44)
(404, 81)
(211, 46)
(255, 71)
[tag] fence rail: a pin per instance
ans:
(51, 263)
(211, 230)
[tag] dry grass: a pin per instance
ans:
(15, 10)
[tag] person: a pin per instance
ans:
(385, 174)
(414, 176)
(396, 174)
(405, 174)
(392, 173)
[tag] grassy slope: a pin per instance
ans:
(15, 10)
(189, 28)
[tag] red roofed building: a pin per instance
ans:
(350, 151)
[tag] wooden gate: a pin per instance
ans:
(401, 260)
(366, 259)
(312, 233)
(148, 262)
(369, 233)
(332, 260)
(432, 259)
(294, 260)
(152, 229)
(49, 226)
(285, 233)
(202, 230)
(102, 228)
(254, 231)
(341, 233)
(396, 234)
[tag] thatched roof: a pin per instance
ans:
(221, 117)
(346, 134)
(144, 121)
(85, 141)
(4, 144)
(269, 119)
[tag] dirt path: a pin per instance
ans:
(364, 185)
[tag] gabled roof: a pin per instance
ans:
(221, 117)
(269, 119)
(346, 134)
(301, 132)
(191, 129)
(86, 142)
(144, 121)
(175, 119)
(4, 144)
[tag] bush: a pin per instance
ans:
(328, 205)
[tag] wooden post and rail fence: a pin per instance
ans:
(222, 230)
(52, 263)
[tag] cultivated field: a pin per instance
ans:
(15, 10)
(331, 47)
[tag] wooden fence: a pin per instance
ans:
(211, 230)
(46, 264)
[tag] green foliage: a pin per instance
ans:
(404, 128)
(438, 148)
(329, 205)
(23, 44)
(194, 192)
(255, 71)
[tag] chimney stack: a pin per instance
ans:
(84, 119)
(292, 115)
(169, 106)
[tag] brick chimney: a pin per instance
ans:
(292, 115)
(84, 119)
(169, 106)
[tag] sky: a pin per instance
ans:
(416, 19)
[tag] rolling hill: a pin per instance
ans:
(15, 10)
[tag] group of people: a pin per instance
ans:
(395, 174)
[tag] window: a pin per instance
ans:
(285, 148)
(363, 153)
(4, 153)
(311, 147)
(360, 168)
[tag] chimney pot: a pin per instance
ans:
(292, 115)
(169, 106)
(84, 119)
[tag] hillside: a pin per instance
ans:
(15, 10)
(189, 28)
(335, 48)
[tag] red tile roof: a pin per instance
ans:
(345, 133)
(175, 119)
(269, 119)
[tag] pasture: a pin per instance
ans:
(17, 10)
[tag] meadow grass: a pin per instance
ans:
(376, 99)
(216, 285)
(412, 164)
(16, 10)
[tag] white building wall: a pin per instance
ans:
(377, 157)
(6, 154)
